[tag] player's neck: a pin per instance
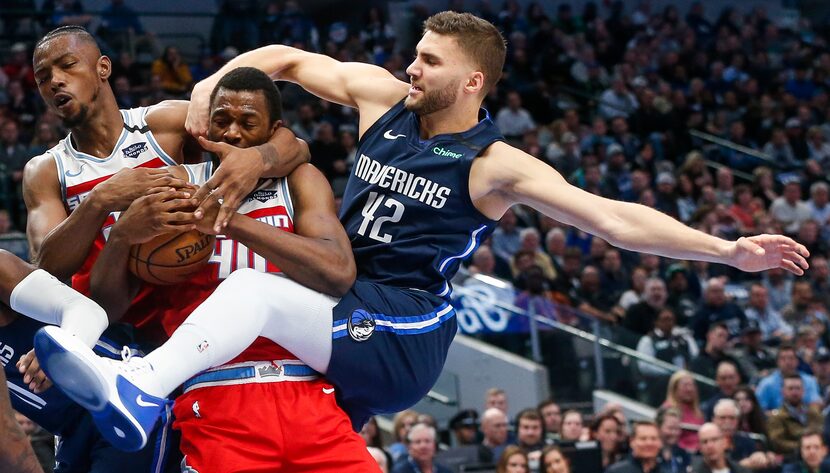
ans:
(99, 133)
(455, 119)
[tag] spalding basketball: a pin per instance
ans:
(171, 258)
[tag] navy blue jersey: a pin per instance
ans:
(51, 409)
(407, 206)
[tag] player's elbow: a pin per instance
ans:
(343, 277)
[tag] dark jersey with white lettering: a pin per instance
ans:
(50, 409)
(407, 206)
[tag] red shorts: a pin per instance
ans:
(288, 426)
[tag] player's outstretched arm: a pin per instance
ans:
(369, 88)
(16, 452)
(318, 254)
(507, 176)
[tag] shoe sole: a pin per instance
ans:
(72, 366)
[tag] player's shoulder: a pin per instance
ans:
(306, 175)
(44, 163)
(168, 115)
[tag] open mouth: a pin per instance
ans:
(61, 100)
(413, 89)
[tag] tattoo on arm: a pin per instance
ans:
(270, 156)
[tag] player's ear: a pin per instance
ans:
(104, 67)
(475, 83)
(275, 126)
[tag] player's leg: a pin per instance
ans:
(245, 306)
(15, 450)
(126, 398)
(39, 295)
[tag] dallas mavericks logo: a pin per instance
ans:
(361, 325)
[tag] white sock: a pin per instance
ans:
(44, 298)
(246, 305)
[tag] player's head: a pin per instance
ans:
(245, 108)
(459, 55)
(71, 73)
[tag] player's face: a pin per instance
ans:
(240, 118)
(70, 72)
(438, 74)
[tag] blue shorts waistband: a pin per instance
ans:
(252, 372)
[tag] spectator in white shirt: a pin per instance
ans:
(513, 120)
(617, 101)
(789, 210)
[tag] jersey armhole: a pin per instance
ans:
(468, 166)
(385, 118)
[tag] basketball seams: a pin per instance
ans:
(154, 266)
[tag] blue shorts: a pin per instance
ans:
(388, 349)
(82, 449)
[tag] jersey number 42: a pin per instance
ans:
(373, 203)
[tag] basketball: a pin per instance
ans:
(171, 258)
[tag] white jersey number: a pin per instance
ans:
(370, 209)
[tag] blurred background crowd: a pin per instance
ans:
(717, 118)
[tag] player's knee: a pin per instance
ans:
(242, 277)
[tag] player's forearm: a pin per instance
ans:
(63, 250)
(315, 263)
(282, 153)
(110, 283)
(639, 228)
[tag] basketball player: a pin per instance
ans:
(107, 161)
(431, 179)
(288, 226)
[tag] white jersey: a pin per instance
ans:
(269, 203)
(79, 172)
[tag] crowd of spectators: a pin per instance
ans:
(718, 119)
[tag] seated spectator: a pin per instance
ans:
(46, 136)
(758, 359)
(716, 308)
(713, 457)
(530, 242)
(634, 294)
(821, 370)
(552, 418)
(714, 352)
(506, 240)
(553, 461)
(119, 23)
(496, 397)
(667, 343)
(812, 455)
(513, 460)
(590, 298)
(753, 419)
(744, 209)
(739, 447)
(819, 204)
(819, 274)
(779, 148)
(682, 395)
(617, 101)
(681, 298)
(772, 326)
(173, 72)
(645, 449)
(770, 389)
(530, 431)
(380, 456)
(421, 443)
(809, 236)
(672, 458)
(787, 424)
(640, 317)
(779, 287)
(605, 429)
(613, 276)
(402, 422)
(800, 312)
(571, 426)
(789, 210)
(464, 426)
(494, 430)
(513, 120)
(728, 380)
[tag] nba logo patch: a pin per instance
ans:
(361, 325)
